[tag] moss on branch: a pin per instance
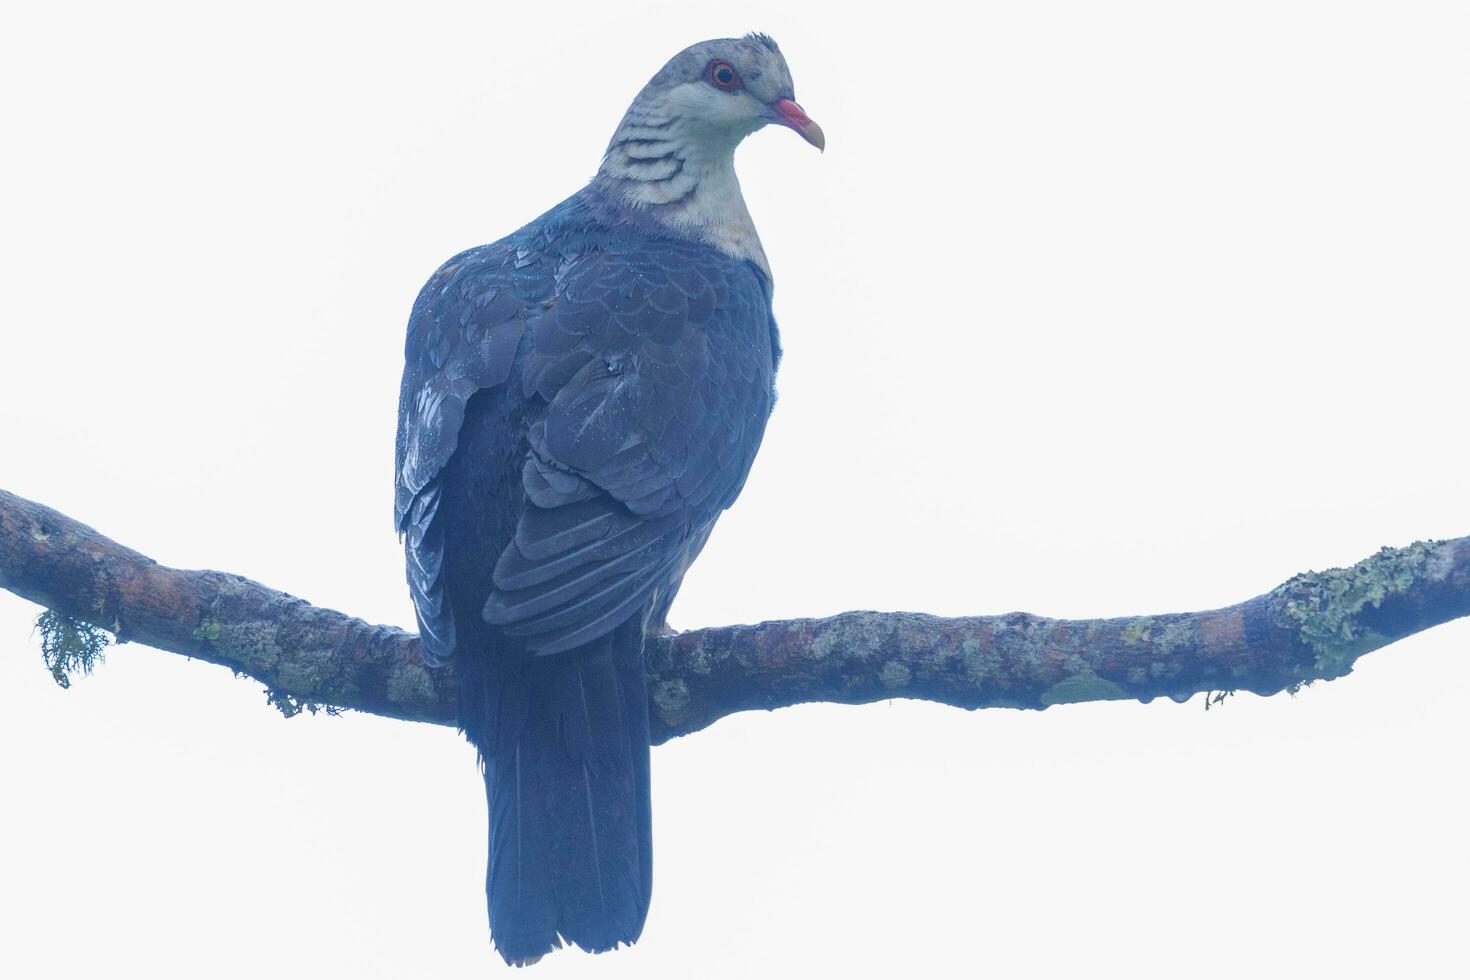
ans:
(69, 646)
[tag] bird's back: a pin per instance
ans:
(599, 390)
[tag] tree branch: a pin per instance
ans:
(1311, 628)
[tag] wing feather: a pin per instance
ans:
(466, 327)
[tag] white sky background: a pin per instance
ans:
(1089, 309)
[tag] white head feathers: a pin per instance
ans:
(673, 155)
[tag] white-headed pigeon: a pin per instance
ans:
(581, 401)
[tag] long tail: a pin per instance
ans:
(564, 739)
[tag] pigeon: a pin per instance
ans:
(581, 400)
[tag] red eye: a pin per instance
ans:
(722, 75)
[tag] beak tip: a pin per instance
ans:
(788, 113)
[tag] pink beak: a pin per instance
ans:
(788, 113)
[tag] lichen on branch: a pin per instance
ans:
(1329, 607)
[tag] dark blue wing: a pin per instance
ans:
(463, 335)
(655, 364)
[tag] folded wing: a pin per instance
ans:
(655, 364)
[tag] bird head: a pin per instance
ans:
(718, 92)
(672, 158)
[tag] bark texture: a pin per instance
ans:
(1313, 627)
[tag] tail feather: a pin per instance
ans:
(565, 744)
(633, 678)
(522, 903)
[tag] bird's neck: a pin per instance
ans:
(683, 180)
